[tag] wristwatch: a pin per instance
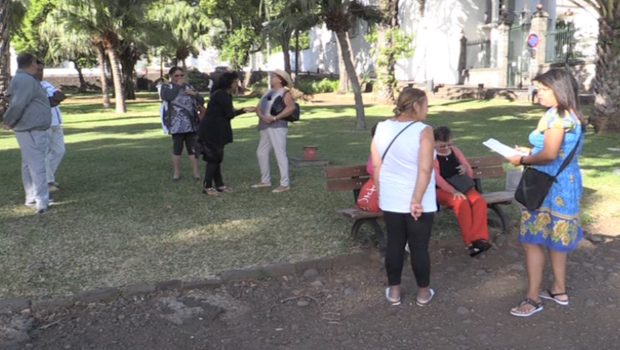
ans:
(522, 160)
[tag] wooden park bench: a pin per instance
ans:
(352, 178)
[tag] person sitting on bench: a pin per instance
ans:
(469, 207)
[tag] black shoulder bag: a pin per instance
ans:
(534, 185)
(278, 106)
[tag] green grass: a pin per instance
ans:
(120, 220)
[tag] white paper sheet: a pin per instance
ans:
(502, 149)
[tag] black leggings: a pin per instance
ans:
(185, 138)
(213, 173)
(402, 228)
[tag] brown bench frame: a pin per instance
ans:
(339, 178)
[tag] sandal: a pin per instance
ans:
(538, 306)
(261, 184)
(426, 302)
(478, 247)
(210, 192)
(281, 189)
(225, 189)
(392, 301)
(552, 296)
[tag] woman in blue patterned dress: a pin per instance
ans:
(555, 224)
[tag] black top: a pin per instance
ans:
(215, 127)
(447, 165)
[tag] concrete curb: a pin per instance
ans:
(108, 294)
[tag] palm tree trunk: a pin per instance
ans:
(118, 81)
(82, 87)
(105, 90)
(605, 115)
(345, 49)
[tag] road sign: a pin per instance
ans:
(532, 40)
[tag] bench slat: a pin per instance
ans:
(498, 197)
(334, 172)
(477, 162)
(354, 213)
(346, 184)
(481, 173)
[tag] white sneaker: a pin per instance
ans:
(33, 203)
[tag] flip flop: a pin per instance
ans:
(424, 303)
(552, 296)
(538, 306)
(387, 296)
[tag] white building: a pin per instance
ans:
(495, 54)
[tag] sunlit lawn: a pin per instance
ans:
(119, 219)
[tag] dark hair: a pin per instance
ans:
(407, 98)
(25, 60)
(40, 63)
(174, 70)
(566, 91)
(442, 133)
(225, 81)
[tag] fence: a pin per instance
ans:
(480, 54)
(560, 45)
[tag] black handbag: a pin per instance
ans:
(461, 182)
(534, 185)
(278, 106)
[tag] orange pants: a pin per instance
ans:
(471, 214)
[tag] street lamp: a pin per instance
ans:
(568, 18)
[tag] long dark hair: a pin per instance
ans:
(566, 91)
(225, 81)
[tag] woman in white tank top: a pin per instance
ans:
(402, 155)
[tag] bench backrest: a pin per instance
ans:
(486, 167)
(353, 177)
(341, 178)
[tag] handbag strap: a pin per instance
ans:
(569, 158)
(394, 139)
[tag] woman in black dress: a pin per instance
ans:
(215, 131)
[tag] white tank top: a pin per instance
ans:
(399, 169)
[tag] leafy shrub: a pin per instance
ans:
(317, 87)
(197, 79)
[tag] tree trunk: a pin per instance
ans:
(420, 9)
(343, 84)
(127, 68)
(345, 49)
(118, 81)
(605, 115)
(105, 90)
(286, 51)
(82, 87)
(296, 56)
(385, 58)
(5, 56)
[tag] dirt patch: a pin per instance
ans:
(345, 309)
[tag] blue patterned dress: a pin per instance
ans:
(556, 223)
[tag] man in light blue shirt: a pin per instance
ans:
(56, 149)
